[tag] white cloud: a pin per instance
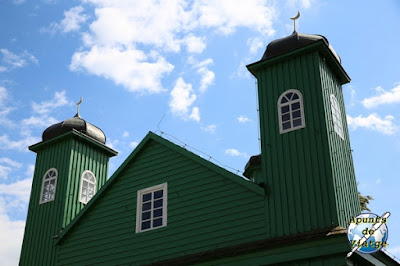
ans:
(12, 61)
(235, 153)
(10, 238)
(207, 76)
(226, 17)
(210, 128)
(296, 4)
(243, 119)
(195, 115)
(374, 122)
(383, 97)
(133, 144)
(4, 110)
(18, 191)
(30, 170)
(125, 134)
(182, 98)
(73, 18)
(131, 68)
(378, 181)
(255, 44)
(46, 107)
(39, 121)
(194, 44)
(21, 145)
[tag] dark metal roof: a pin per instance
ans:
(292, 42)
(78, 124)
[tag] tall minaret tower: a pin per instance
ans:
(71, 165)
(306, 165)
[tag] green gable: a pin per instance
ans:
(208, 207)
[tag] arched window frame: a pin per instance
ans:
(49, 185)
(84, 196)
(290, 112)
(336, 116)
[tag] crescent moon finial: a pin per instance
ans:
(294, 20)
(77, 106)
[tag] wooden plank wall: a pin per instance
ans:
(70, 156)
(296, 164)
(205, 211)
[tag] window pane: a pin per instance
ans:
(295, 96)
(297, 122)
(146, 197)
(285, 109)
(157, 213)
(146, 215)
(295, 106)
(146, 206)
(158, 194)
(157, 222)
(158, 203)
(285, 117)
(145, 225)
(296, 114)
(289, 95)
(284, 100)
(286, 125)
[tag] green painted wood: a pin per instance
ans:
(70, 154)
(206, 210)
(308, 173)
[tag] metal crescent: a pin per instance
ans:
(297, 16)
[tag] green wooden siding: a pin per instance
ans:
(347, 202)
(206, 210)
(296, 164)
(70, 155)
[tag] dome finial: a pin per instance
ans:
(294, 20)
(77, 107)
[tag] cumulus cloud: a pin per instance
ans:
(12, 61)
(255, 44)
(210, 128)
(73, 18)
(182, 98)
(383, 97)
(21, 145)
(243, 119)
(235, 153)
(133, 144)
(7, 166)
(131, 68)
(207, 76)
(5, 109)
(45, 107)
(194, 44)
(374, 122)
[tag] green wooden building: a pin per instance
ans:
(167, 206)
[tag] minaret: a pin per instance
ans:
(306, 165)
(71, 165)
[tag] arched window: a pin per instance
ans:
(49, 184)
(290, 111)
(88, 187)
(336, 116)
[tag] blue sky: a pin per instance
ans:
(135, 62)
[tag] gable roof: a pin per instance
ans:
(135, 153)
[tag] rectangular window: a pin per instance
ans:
(151, 208)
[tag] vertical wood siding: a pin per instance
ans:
(70, 156)
(205, 211)
(297, 164)
(347, 202)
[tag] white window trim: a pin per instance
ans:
(49, 179)
(336, 119)
(163, 187)
(300, 100)
(81, 186)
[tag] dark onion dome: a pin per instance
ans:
(75, 123)
(292, 42)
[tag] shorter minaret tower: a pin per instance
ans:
(306, 165)
(71, 166)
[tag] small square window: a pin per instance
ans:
(151, 208)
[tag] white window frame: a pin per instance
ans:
(290, 112)
(89, 182)
(48, 178)
(140, 193)
(336, 116)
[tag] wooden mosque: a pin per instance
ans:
(167, 206)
